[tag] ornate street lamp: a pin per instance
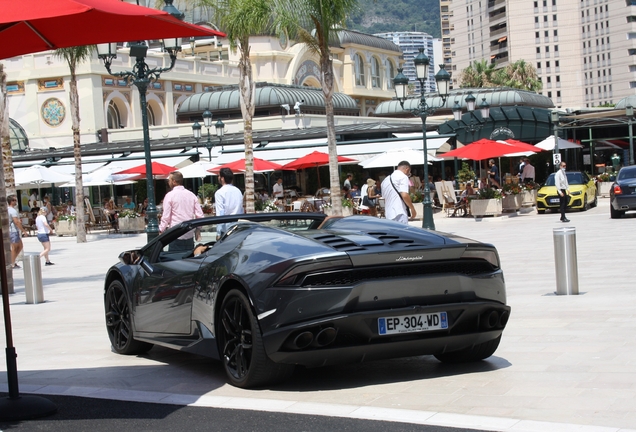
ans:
(629, 112)
(207, 122)
(400, 83)
(220, 131)
(475, 124)
(196, 133)
(554, 116)
(142, 76)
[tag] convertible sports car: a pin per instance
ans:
(284, 289)
(582, 193)
(623, 192)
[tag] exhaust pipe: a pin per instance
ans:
(503, 319)
(326, 336)
(491, 320)
(303, 340)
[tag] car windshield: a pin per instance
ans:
(627, 173)
(574, 178)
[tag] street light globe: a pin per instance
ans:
(442, 78)
(484, 107)
(421, 65)
(401, 84)
(207, 118)
(470, 102)
(196, 131)
(220, 128)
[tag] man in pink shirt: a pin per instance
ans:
(179, 205)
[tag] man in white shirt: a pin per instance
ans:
(561, 183)
(527, 175)
(395, 190)
(228, 199)
(278, 191)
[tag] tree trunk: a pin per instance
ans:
(248, 89)
(6, 187)
(77, 152)
(326, 74)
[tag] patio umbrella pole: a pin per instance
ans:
(16, 407)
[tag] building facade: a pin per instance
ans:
(584, 51)
(410, 44)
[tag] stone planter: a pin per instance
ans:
(485, 207)
(529, 198)
(328, 211)
(131, 224)
(511, 202)
(419, 209)
(604, 188)
(66, 227)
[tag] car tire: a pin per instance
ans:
(585, 204)
(595, 203)
(475, 353)
(615, 214)
(241, 345)
(118, 322)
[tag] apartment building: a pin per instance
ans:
(410, 43)
(584, 50)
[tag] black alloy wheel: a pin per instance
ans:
(244, 359)
(118, 322)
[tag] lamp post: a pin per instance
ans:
(220, 130)
(475, 123)
(207, 122)
(554, 116)
(629, 112)
(196, 133)
(141, 76)
(400, 83)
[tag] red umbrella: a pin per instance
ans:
(314, 159)
(486, 149)
(260, 165)
(28, 26)
(524, 146)
(158, 170)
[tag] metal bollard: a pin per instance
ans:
(565, 261)
(33, 279)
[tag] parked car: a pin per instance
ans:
(285, 289)
(582, 193)
(623, 192)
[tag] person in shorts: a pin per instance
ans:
(44, 230)
(15, 230)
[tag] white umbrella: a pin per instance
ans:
(392, 158)
(198, 169)
(38, 175)
(548, 144)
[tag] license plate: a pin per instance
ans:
(412, 323)
(555, 201)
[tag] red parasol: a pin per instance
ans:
(525, 147)
(28, 26)
(260, 165)
(486, 149)
(314, 159)
(158, 170)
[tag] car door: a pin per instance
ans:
(164, 294)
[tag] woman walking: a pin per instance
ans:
(44, 229)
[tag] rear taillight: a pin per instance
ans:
(617, 190)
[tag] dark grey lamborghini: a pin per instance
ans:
(283, 289)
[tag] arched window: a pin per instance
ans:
(113, 117)
(359, 69)
(390, 74)
(376, 78)
(151, 116)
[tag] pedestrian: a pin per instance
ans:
(527, 175)
(493, 174)
(179, 205)
(15, 230)
(347, 182)
(561, 183)
(395, 190)
(228, 199)
(44, 230)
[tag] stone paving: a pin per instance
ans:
(565, 362)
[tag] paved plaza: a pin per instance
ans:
(566, 363)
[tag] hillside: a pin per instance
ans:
(378, 16)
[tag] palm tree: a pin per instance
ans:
(316, 23)
(520, 75)
(7, 181)
(240, 19)
(73, 57)
(479, 74)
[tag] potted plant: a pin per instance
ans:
(465, 174)
(487, 202)
(131, 221)
(604, 183)
(327, 209)
(66, 225)
(207, 191)
(417, 199)
(511, 197)
(347, 207)
(529, 194)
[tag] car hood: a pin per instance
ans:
(551, 190)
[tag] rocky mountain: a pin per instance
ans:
(379, 16)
